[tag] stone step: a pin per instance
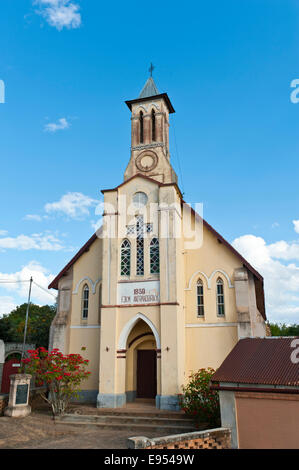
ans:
(128, 419)
(164, 426)
(137, 412)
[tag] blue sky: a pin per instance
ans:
(69, 65)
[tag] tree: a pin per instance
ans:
(62, 375)
(281, 329)
(39, 322)
(199, 401)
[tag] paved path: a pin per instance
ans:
(39, 431)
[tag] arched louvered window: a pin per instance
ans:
(85, 300)
(125, 258)
(220, 297)
(154, 256)
(200, 299)
(153, 125)
(141, 127)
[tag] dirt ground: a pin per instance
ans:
(39, 431)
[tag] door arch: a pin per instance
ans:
(140, 341)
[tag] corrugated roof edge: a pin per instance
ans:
(259, 361)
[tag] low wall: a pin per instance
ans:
(219, 438)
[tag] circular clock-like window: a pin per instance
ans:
(139, 199)
(147, 161)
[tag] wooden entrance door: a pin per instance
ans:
(146, 373)
(10, 367)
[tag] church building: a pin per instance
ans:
(156, 292)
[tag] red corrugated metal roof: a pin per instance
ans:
(260, 361)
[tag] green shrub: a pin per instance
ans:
(198, 401)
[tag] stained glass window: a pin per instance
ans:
(139, 246)
(200, 300)
(154, 256)
(220, 297)
(125, 258)
(85, 299)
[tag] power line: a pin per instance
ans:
(178, 157)
(44, 289)
(6, 281)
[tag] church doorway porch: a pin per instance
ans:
(141, 363)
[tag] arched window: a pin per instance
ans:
(139, 246)
(125, 258)
(220, 297)
(153, 125)
(141, 127)
(85, 298)
(154, 256)
(200, 299)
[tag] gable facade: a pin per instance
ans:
(147, 303)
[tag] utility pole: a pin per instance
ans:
(26, 321)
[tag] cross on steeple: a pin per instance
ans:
(151, 69)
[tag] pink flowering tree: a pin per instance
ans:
(61, 374)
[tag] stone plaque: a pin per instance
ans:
(21, 395)
(147, 292)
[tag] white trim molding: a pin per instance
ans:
(209, 325)
(123, 337)
(87, 278)
(209, 279)
(85, 326)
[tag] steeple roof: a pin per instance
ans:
(149, 89)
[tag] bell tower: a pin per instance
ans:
(150, 134)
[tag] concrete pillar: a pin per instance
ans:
(228, 415)
(159, 127)
(112, 373)
(135, 132)
(18, 396)
(242, 302)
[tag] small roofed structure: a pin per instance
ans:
(260, 361)
(258, 385)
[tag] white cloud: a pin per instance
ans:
(284, 250)
(7, 304)
(3, 232)
(36, 241)
(36, 217)
(74, 205)
(39, 274)
(60, 13)
(281, 280)
(61, 124)
(296, 225)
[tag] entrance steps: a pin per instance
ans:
(133, 420)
